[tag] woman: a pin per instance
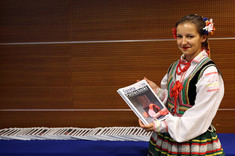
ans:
(192, 90)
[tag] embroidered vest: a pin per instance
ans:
(187, 95)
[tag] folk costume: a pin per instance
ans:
(192, 92)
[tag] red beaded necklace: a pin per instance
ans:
(179, 70)
(178, 85)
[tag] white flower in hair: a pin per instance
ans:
(209, 28)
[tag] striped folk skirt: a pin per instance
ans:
(161, 144)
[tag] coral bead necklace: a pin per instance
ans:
(178, 85)
(180, 70)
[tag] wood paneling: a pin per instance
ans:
(61, 119)
(100, 69)
(66, 20)
(86, 75)
(224, 121)
(34, 21)
(36, 119)
(35, 77)
(119, 20)
(223, 54)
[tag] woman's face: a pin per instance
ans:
(189, 40)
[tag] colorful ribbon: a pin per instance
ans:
(175, 93)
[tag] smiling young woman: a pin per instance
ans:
(189, 40)
(192, 90)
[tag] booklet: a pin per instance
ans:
(143, 101)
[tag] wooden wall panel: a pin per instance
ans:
(224, 58)
(35, 77)
(100, 69)
(124, 20)
(224, 121)
(83, 119)
(33, 21)
(36, 119)
(73, 76)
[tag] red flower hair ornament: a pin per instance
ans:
(174, 33)
(207, 30)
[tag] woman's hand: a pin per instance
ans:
(149, 127)
(152, 84)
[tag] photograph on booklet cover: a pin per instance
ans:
(143, 101)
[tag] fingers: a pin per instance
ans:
(151, 83)
(140, 123)
(147, 79)
(146, 127)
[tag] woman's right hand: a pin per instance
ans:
(152, 84)
(147, 128)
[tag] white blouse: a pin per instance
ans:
(196, 120)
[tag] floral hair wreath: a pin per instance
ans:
(207, 30)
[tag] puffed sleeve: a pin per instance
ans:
(162, 92)
(196, 120)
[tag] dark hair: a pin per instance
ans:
(198, 21)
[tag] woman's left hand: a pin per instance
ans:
(149, 127)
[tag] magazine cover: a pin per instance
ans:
(143, 101)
